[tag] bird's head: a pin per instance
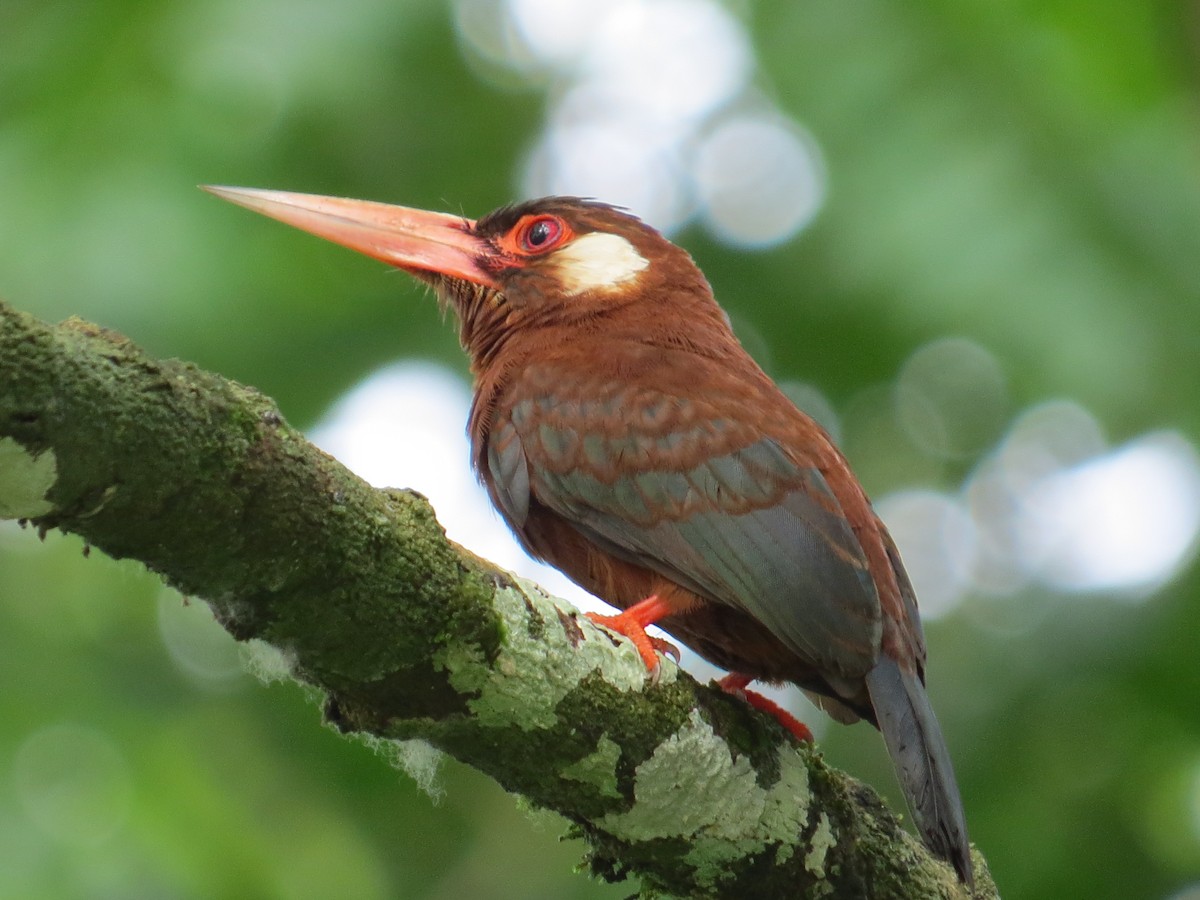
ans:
(553, 261)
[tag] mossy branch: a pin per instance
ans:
(410, 636)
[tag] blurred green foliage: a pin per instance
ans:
(1025, 175)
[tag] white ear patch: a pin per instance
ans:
(598, 260)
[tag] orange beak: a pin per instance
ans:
(411, 239)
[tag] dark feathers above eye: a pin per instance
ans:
(502, 220)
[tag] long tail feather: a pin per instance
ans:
(922, 762)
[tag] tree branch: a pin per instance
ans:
(410, 636)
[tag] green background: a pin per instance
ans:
(1023, 175)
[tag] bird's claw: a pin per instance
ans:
(647, 647)
(666, 648)
(735, 683)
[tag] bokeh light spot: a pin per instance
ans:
(620, 162)
(1052, 504)
(1043, 440)
(198, 646)
(760, 179)
(951, 398)
(812, 401)
(487, 29)
(405, 426)
(555, 33)
(1124, 521)
(73, 784)
(937, 541)
(634, 88)
(670, 59)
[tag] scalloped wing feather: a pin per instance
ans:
(749, 527)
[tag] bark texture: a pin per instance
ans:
(410, 636)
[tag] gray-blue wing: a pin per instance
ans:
(749, 527)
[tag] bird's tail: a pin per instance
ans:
(922, 762)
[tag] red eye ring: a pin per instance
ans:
(541, 233)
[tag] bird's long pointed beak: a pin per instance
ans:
(412, 239)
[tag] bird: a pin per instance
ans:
(629, 440)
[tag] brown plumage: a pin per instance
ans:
(630, 441)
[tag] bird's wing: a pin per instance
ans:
(666, 484)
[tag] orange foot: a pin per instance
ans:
(632, 623)
(735, 684)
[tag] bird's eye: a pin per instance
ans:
(541, 234)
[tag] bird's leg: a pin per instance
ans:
(632, 623)
(735, 683)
